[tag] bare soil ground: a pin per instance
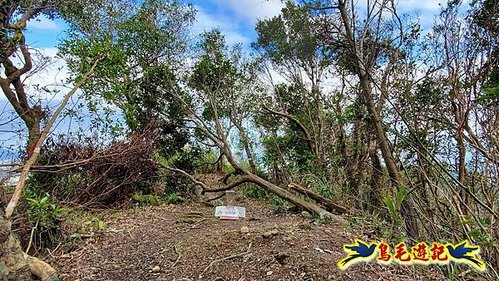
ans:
(186, 242)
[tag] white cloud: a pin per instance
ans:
(48, 70)
(228, 27)
(42, 22)
(425, 10)
(52, 74)
(252, 10)
(421, 5)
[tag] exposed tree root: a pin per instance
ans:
(40, 268)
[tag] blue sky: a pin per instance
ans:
(235, 18)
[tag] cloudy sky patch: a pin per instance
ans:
(43, 23)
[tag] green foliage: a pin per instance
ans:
(146, 199)
(290, 36)
(214, 72)
(43, 211)
(93, 224)
(490, 95)
(253, 191)
(206, 162)
(139, 47)
(393, 204)
(45, 217)
(228, 169)
(278, 204)
(174, 198)
(187, 160)
(322, 187)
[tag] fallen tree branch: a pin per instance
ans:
(205, 187)
(330, 205)
(214, 198)
(277, 190)
(189, 176)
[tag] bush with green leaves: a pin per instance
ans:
(253, 191)
(146, 199)
(45, 216)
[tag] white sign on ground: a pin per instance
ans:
(230, 212)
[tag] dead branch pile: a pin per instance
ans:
(86, 175)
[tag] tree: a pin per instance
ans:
(290, 46)
(145, 46)
(212, 114)
(13, 16)
(365, 45)
(229, 83)
(16, 265)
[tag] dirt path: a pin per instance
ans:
(185, 242)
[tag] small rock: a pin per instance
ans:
(269, 273)
(280, 257)
(270, 233)
(305, 226)
(156, 269)
(245, 229)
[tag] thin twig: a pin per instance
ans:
(31, 237)
(178, 256)
(227, 258)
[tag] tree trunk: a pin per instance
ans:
(13, 265)
(374, 195)
(33, 126)
(246, 145)
(384, 146)
(288, 196)
(220, 163)
(330, 205)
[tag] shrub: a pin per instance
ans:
(45, 217)
(253, 191)
(146, 199)
(174, 198)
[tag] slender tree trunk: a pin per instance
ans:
(363, 61)
(384, 146)
(462, 170)
(374, 195)
(220, 163)
(246, 145)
